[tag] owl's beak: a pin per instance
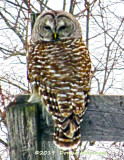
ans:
(55, 35)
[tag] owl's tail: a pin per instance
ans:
(67, 132)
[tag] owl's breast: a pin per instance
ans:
(53, 63)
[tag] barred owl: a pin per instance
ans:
(59, 68)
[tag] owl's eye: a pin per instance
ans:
(47, 27)
(62, 27)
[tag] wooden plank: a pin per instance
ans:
(103, 120)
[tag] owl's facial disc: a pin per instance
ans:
(56, 28)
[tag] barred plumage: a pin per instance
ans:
(59, 73)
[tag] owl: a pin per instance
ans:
(59, 69)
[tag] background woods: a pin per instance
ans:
(103, 31)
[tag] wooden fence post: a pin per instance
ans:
(25, 127)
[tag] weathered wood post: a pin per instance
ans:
(31, 139)
(27, 139)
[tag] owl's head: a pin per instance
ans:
(56, 26)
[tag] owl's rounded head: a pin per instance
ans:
(56, 26)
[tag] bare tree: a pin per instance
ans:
(100, 20)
